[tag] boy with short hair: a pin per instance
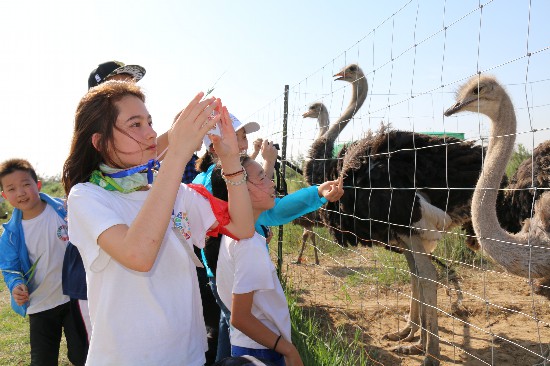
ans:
(37, 233)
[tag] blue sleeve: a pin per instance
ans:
(9, 261)
(205, 178)
(292, 206)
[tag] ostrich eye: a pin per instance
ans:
(478, 90)
(353, 68)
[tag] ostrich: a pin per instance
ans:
(321, 164)
(526, 253)
(311, 220)
(385, 201)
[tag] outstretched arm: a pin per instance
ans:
(300, 203)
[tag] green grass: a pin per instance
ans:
(14, 335)
(321, 347)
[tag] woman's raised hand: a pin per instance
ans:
(225, 145)
(194, 122)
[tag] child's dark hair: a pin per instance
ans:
(203, 163)
(13, 165)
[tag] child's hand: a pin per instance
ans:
(20, 294)
(257, 145)
(194, 122)
(332, 190)
(269, 152)
(226, 145)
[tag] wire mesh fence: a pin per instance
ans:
(419, 256)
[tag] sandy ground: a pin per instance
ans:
(500, 321)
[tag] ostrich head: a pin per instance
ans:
(350, 73)
(319, 111)
(354, 75)
(481, 94)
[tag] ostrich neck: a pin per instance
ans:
(358, 96)
(323, 121)
(484, 215)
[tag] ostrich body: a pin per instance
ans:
(532, 172)
(404, 190)
(526, 253)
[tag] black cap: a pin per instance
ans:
(111, 68)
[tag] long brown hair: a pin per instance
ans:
(96, 113)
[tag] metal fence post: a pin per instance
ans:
(283, 176)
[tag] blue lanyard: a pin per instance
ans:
(150, 165)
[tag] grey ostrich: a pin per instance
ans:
(526, 253)
(402, 190)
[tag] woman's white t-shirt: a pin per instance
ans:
(245, 266)
(152, 318)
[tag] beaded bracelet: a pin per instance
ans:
(233, 174)
(238, 183)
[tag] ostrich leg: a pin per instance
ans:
(314, 248)
(425, 275)
(407, 334)
(305, 234)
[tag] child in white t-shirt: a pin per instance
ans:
(248, 284)
(136, 238)
(36, 237)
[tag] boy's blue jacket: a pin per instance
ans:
(13, 250)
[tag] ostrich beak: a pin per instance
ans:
(452, 110)
(339, 76)
(460, 105)
(306, 114)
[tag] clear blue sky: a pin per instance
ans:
(48, 49)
